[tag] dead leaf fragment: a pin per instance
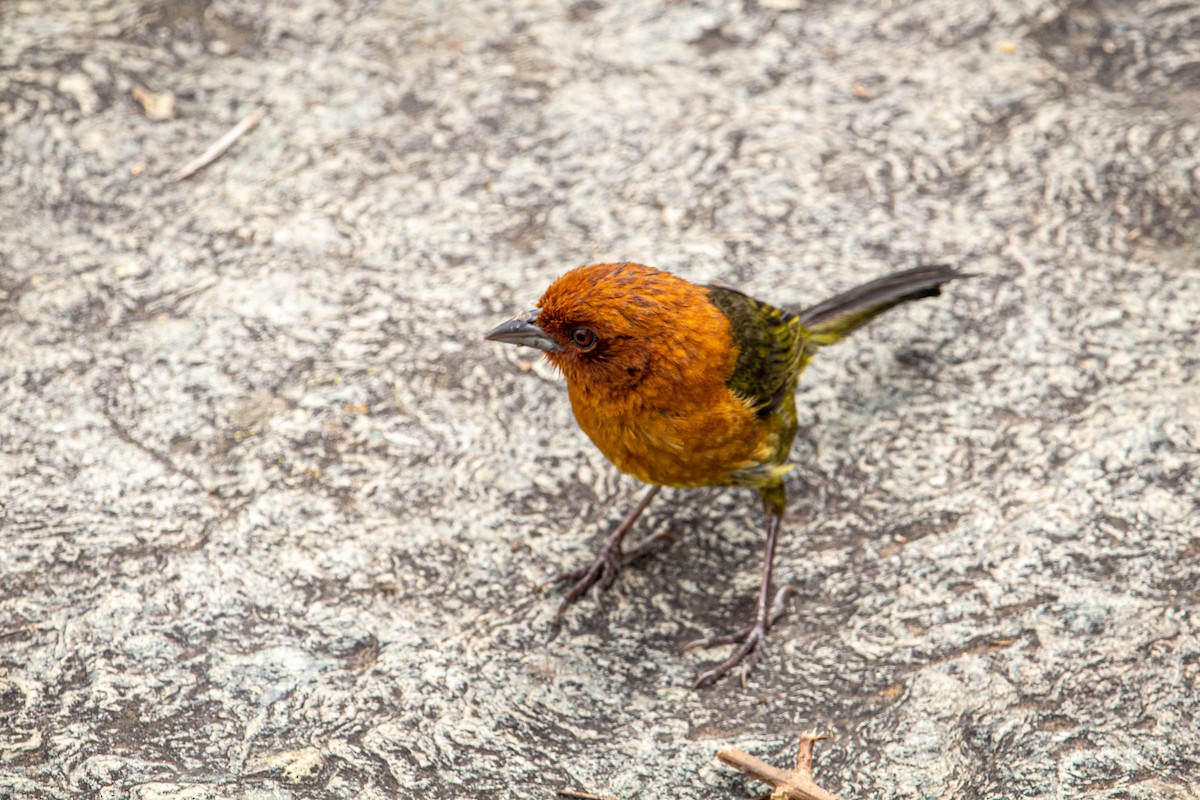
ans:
(157, 106)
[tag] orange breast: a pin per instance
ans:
(696, 435)
(680, 425)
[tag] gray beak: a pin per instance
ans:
(524, 330)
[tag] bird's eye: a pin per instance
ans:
(583, 338)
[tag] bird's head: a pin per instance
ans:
(611, 324)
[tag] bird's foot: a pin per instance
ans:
(750, 639)
(600, 574)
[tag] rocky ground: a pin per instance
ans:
(274, 518)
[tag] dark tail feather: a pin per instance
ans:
(837, 316)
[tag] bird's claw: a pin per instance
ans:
(603, 571)
(597, 577)
(747, 655)
(751, 638)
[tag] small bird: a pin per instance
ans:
(686, 385)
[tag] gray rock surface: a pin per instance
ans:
(274, 518)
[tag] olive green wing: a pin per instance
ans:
(771, 349)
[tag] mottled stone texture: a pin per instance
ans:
(274, 518)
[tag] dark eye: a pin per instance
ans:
(583, 338)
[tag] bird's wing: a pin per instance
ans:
(771, 349)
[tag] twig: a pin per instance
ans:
(581, 795)
(796, 784)
(218, 148)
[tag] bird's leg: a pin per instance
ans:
(766, 610)
(609, 560)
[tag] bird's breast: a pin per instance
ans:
(699, 435)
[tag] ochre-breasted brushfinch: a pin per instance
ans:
(686, 385)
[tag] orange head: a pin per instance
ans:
(610, 325)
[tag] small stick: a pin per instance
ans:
(218, 148)
(797, 784)
(581, 795)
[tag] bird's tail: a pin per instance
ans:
(829, 321)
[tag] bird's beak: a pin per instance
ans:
(524, 330)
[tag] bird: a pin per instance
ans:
(689, 385)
